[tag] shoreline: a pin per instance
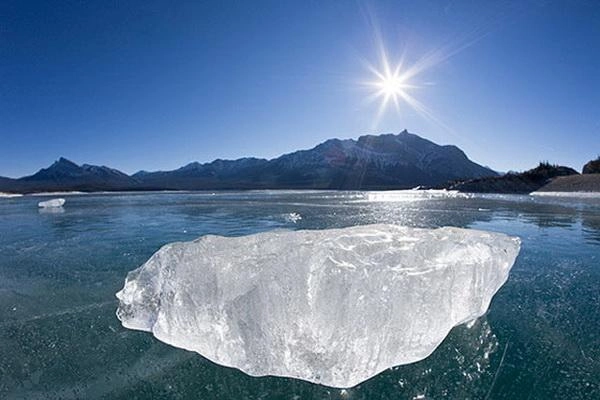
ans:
(580, 194)
(4, 195)
(435, 192)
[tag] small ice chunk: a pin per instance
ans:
(51, 203)
(311, 304)
(293, 217)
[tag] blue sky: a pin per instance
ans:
(155, 85)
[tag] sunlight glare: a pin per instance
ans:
(390, 85)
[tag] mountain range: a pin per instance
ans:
(388, 161)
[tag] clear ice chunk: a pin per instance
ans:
(51, 203)
(334, 306)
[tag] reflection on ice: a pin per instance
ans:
(51, 210)
(412, 195)
(468, 360)
(591, 227)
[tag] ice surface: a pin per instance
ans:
(52, 203)
(334, 306)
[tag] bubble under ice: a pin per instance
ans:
(334, 306)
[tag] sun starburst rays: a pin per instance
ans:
(390, 86)
(394, 84)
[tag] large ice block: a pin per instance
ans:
(334, 306)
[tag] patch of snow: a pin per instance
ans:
(59, 193)
(9, 195)
(584, 195)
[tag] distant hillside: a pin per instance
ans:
(588, 182)
(524, 182)
(592, 167)
(573, 183)
(387, 161)
(6, 184)
(4, 180)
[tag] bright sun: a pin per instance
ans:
(397, 83)
(391, 86)
(394, 85)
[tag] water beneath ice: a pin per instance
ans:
(60, 338)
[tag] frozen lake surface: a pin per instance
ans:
(59, 271)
